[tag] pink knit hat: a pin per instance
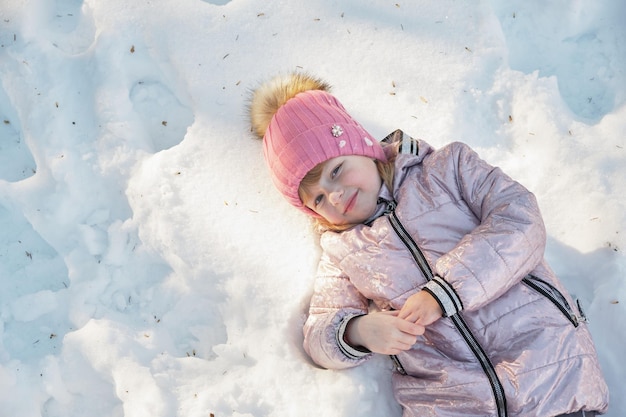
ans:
(311, 128)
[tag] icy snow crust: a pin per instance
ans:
(148, 267)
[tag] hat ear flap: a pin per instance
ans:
(271, 95)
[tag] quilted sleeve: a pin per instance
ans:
(334, 302)
(510, 239)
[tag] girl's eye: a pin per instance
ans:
(318, 200)
(335, 171)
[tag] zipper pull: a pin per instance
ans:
(390, 206)
(582, 317)
(398, 365)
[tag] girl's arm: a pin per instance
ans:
(508, 243)
(334, 303)
(339, 332)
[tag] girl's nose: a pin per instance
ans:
(335, 196)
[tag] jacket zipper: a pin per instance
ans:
(398, 365)
(457, 319)
(554, 296)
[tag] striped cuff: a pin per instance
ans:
(349, 351)
(445, 295)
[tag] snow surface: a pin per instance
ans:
(147, 265)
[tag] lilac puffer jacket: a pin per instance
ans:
(511, 342)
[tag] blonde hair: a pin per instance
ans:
(386, 171)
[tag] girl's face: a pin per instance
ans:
(347, 191)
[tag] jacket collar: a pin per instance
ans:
(408, 152)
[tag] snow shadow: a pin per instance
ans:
(33, 283)
(584, 51)
(16, 161)
(164, 118)
(67, 24)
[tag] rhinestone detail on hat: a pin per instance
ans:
(336, 130)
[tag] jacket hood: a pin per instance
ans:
(405, 161)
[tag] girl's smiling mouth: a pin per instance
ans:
(350, 203)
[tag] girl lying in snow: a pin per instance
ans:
(433, 257)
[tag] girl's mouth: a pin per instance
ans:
(351, 203)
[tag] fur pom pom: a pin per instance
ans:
(269, 96)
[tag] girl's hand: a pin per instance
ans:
(383, 332)
(421, 308)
